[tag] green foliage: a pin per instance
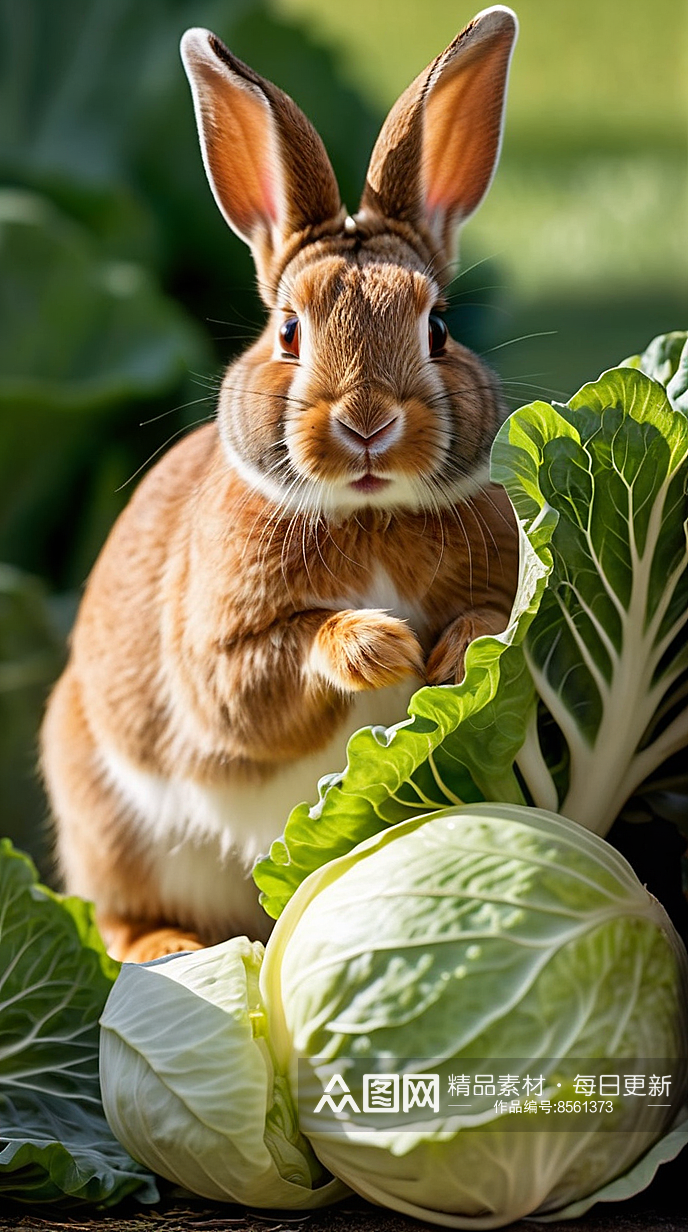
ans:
(54, 979)
(31, 652)
(607, 651)
(665, 359)
(81, 336)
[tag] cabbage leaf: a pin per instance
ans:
(583, 697)
(665, 359)
(54, 979)
(632, 1182)
(608, 652)
(189, 1085)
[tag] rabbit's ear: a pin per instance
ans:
(436, 154)
(265, 162)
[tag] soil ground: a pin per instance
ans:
(662, 1208)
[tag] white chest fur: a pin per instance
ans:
(378, 591)
(201, 840)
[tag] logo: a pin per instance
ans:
(381, 1093)
(347, 1099)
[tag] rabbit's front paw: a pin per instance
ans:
(366, 649)
(446, 662)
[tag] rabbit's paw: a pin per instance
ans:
(138, 943)
(365, 649)
(446, 661)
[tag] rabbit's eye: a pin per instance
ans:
(290, 336)
(437, 334)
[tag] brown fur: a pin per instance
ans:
(217, 642)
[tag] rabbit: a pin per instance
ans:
(298, 567)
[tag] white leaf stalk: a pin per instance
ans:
(604, 774)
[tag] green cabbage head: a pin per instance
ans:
(490, 936)
(188, 1081)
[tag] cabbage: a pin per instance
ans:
(491, 936)
(189, 1087)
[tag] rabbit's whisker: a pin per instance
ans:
(322, 522)
(173, 409)
(291, 531)
(426, 486)
(180, 432)
(455, 296)
(282, 508)
(276, 513)
(468, 269)
(530, 385)
(485, 494)
(545, 333)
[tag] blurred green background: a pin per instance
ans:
(122, 293)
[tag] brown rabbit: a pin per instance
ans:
(294, 570)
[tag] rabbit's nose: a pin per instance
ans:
(373, 437)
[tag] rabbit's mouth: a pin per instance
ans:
(369, 483)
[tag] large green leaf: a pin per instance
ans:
(54, 979)
(31, 654)
(81, 338)
(79, 332)
(608, 651)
